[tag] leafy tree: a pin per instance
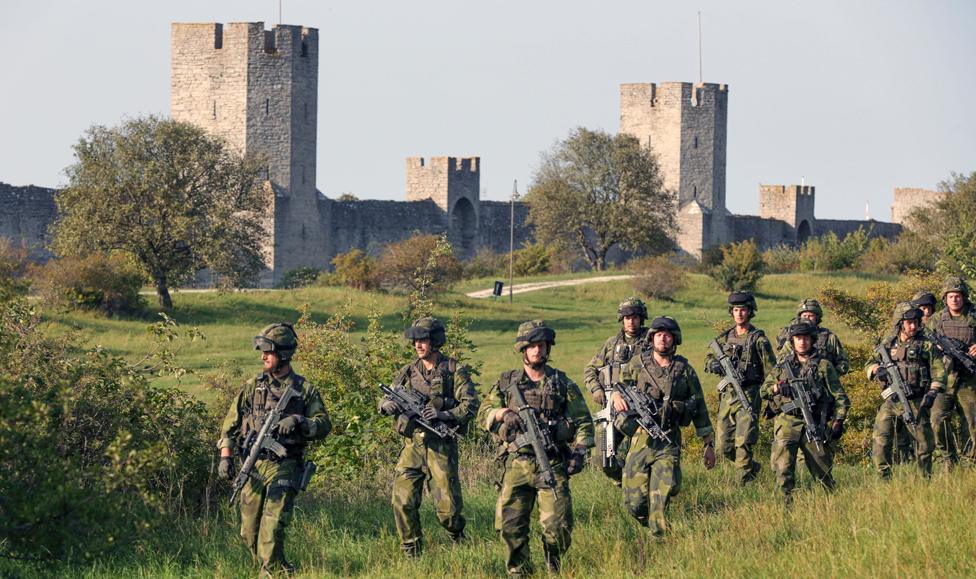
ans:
(741, 268)
(594, 191)
(356, 269)
(947, 225)
(421, 265)
(169, 195)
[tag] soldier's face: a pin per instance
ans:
(810, 317)
(954, 301)
(663, 342)
(801, 344)
(909, 327)
(632, 323)
(269, 360)
(422, 347)
(927, 311)
(740, 314)
(535, 353)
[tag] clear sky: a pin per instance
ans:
(855, 97)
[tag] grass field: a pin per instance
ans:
(908, 527)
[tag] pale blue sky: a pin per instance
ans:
(856, 97)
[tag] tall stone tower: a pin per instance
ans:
(685, 125)
(258, 89)
(452, 183)
(793, 204)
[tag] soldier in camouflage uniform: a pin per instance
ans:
(606, 366)
(920, 367)
(829, 407)
(957, 320)
(652, 472)
(825, 342)
(426, 458)
(561, 409)
(751, 352)
(267, 500)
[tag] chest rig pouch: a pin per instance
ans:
(912, 365)
(263, 400)
(676, 406)
(740, 350)
(548, 399)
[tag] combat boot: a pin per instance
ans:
(413, 549)
(458, 538)
(553, 563)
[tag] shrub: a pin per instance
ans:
(106, 283)
(485, 263)
(532, 259)
(299, 277)
(782, 259)
(741, 268)
(907, 253)
(355, 269)
(658, 278)
(13, 267)
(830, 253)
(402, 264)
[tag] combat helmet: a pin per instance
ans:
(279, 338)
(665, 324)
(810, 305)
(905, 311)
(533, 331)
(924, 299)
(954, 283)
(631, 306)
(743, 299)
(427, 328)
(801, 328)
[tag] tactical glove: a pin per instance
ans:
(577, 460)
(784, 389)
(881, 373)
(929, 399)
(714, 366)
(512, 422)
(225, 469)
(837, 429)
(288, 424)
(389, 407)
(599, 396)
(430, 415)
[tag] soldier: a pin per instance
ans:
(925, 301)
(605, 368)
(751, 353)
(825, 342)
(267, 499)
(957, 320)
(561, 410)
(923, 374)
(427, 458)
(829, 404)
(652, 472)
(905, 442)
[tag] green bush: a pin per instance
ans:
(830, 253)
(13, 268)
(94, 457)
(907, 253)
(532, 259)
(105, 283)
(355, 269)
(419, 263)
(297, 278)
(657, 277)
(741, 267)
(485, 263)
(782, 259)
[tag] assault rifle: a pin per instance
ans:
(535, 436)
(953, 348)
(607, 441)
(731, 376)
(412, 403)
(896, 387)
(256, 443)
(645, 409)
(803, 400)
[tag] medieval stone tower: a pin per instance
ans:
(685, 125)
(454, 185)
(258, 89)
(792, 204)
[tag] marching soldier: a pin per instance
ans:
(267, 500)
(547, 396)
(825, 342)
(828, 406)
(923, 374)
(425, 457)
(751, 353)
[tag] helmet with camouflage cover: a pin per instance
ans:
(279, 338)
(810, 305)
(924, 299)
(743, 299)
(665, 324)
(427, 328)
(533, 331)
(905, 311)
(631, 306)
(954, 283)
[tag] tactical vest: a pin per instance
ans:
(263, 400)
(620, 353)
(816, 383)
(548, 398)
(661, 384)
(741, 349)
(438, 384)
(912, 364)
(959, 328)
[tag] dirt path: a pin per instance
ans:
(520, 288)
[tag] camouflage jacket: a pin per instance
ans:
(829, 397)
(617, 350)
(962, 328)
(827, 345)
(751, 353)
(919, 363)
(447, 384)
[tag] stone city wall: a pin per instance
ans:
(25, 215)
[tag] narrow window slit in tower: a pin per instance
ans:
(215, 109)
(267, 106)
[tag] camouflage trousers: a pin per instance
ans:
(266, 509)
(652, 476)
(737, 431)
(883, 436)
(622, 444)
(521, 488)
(960, 400)
(789, 438)
(434, 461)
